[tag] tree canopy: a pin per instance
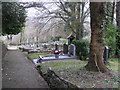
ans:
(13, 18)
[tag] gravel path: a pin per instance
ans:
(19, 72)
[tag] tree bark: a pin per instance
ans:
(118, 30)
(80, 26)
(21, 37)
(97, 15)
(78, 21)
(113, 9)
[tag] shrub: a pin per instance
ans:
(81, 48)
(110, 38)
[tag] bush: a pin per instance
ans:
(110, 38)
(81, 48)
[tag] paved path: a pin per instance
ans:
(19, 72)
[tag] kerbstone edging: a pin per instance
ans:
(55, 81)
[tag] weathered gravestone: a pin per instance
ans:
(56, 47)
(72, 50)
(45, 46)
(65, 48)
(106, 54)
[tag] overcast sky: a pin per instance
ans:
(32, 12)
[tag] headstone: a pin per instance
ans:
(72, 50)
(45, 46)
(106, 54)
(56, 47)
(27, 41)
(65, 48)
(35, 39)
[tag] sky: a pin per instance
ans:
(31, 12)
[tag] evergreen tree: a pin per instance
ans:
(13, 18)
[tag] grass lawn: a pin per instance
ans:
(35, 55)
(62, 64)
(73, 71)
(114, 64)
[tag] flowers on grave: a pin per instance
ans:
(56, 52)
(42, 56)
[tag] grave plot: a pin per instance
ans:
(70, 53)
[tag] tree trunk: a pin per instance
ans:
(81, 19)
(95, 62)
(21, 37)
(77, 20)
(81, 31)
(79, 26)
(113, 9)
(118, 30)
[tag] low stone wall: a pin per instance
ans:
(55, 81)
(4, 50)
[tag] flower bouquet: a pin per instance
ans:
(56, 52)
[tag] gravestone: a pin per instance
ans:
(106, 54)
(56, 47)
(72, 50)
(45, 46)
(65, 48)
